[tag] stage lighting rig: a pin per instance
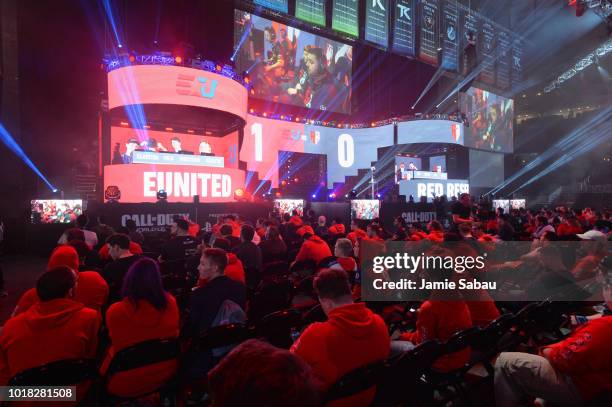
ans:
(162, 196)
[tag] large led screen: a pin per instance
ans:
(491, 120)
(430, 131)
(345, 16)
(125, 141)
(294, 67)
(312, 11)
(347, 150)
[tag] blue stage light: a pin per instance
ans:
(314, 196)
(16, 148)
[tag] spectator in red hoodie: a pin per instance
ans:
(234, 268)
(356, 232)
(570, 226)
(442, 315)
(352, 337)
(91, 290)
(146, 312)
(256, 373)
(436, 231)
(55, 328)
(313, 248)
(566, 373)
(337, 228)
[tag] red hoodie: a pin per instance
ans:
(314, 248)
(91, 289)
(356, 234)
(586, 357)
(129, 325)
(352, 337)
(440, 320)
(47, 332)
(337, 229)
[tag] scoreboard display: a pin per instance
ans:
(377, 22)
(312, 11)
(429, 31)
(403, 28)
(345, 16)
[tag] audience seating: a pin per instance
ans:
(277, 327)
(60, 373)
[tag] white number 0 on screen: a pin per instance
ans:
(257, 132)
(346, 150)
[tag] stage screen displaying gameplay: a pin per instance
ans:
(518, 203)
(365, 209)
(288, 206)
(491, 120)
(294, 67)
(56, 210)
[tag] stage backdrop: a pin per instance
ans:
(151, 219)
(415, 212)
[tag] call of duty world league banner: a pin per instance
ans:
(429, 34)
(450, 42)
(404, 28)
(155, 218)
(411, 212)
(377, 22)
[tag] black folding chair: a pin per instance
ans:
(356, 381)
(402, 383)
(68, 372)
(277, 327)
(140, 355)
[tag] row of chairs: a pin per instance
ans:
(410, 379)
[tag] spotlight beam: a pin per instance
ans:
(245, 34)
(12, 145)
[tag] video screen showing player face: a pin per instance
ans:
(290, 66)
(365, 209)
(288, 206)
(490, 119)
(403, 166)
(56, 210)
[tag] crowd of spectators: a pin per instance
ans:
(106, 290)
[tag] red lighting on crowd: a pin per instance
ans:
(178, 59)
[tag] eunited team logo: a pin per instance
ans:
(192, 85)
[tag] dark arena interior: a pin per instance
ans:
(306, 203)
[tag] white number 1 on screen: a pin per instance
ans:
(257, 132)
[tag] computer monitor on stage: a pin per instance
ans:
(365, 209)
(288, 206)
(55, 210)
